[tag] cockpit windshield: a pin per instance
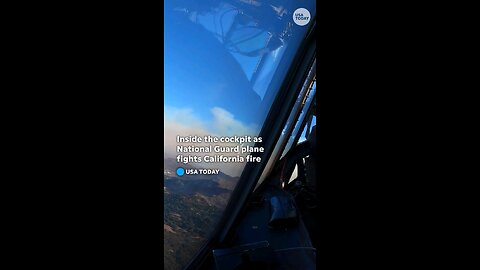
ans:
(224, 62)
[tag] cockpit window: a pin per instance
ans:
(224, 62)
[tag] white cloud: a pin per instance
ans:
(224, 123)
(184, 122)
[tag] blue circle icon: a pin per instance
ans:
(180, 171)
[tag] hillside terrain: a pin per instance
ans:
(193, 204)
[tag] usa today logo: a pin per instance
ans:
(301, 16)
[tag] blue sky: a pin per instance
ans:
(200, 74)
(206, 89)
